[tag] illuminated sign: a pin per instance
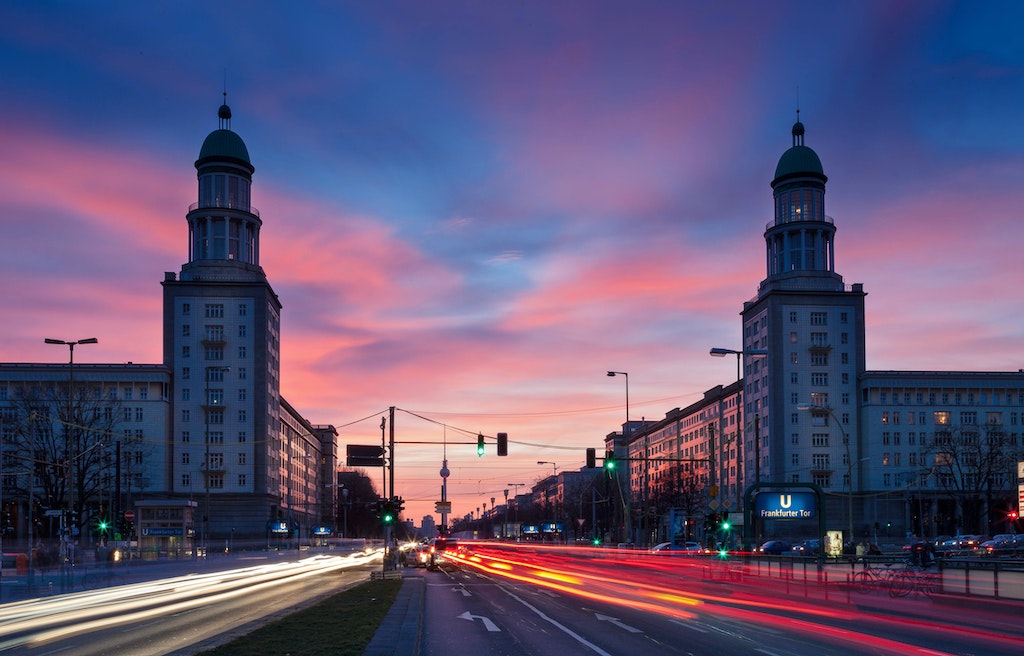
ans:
(785, 505)
(157, 531)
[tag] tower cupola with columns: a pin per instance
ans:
(222, 343)
(811, 325)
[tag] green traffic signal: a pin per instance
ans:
(609, 459)
(480, 445)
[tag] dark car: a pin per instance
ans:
(775, 547)
(807, 547)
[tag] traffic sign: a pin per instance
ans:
(129, 515)
(364, 455)
(443, 507)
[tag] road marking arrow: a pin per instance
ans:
(464, 591)
(488, 624)
(616, 622)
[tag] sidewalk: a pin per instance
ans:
(399, 632)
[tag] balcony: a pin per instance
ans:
(220, 203)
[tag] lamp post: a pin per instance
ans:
(209, 402)
(625, 438)
(504, 527)
(721, 353)
(70, 451)
(516, 499)
(824, 409)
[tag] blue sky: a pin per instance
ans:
(473, 210)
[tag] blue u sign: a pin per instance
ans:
(785, 505)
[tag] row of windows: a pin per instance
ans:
(214, 353)
(214, 310)
(213, 416)
(215, 460)
(945, 417)
(1014, 397)
(818, 318)
(212, 332)
(214, 437)
(214, 374)
(216, 480)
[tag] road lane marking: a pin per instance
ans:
(617, 622)
(580, 639)
(488, 624)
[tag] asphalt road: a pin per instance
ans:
(172, 616)
(471, 610)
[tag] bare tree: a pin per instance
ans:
(62, 449)
(973, 463)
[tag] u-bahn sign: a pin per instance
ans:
(785, 505)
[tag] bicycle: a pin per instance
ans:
(916, 579)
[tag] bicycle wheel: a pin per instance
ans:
(862, 581)
(901, 584)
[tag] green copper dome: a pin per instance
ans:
(799, 160)
(224, 144)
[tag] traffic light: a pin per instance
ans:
(609, 459)
(502, 444)
(591, 458)
(387, 513)
(479, 445)
(724, 523)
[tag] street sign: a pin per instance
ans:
(1020, 497)
(443, 507)
(53, 513)
(364, 455)
(129, 515)
(785, 505)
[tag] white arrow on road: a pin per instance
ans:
(616, 622)
(464, 591)
(488, 624)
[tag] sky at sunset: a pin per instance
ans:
(473, 210)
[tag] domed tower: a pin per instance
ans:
(223, 227)
(801, 239)
(222, 342)
(807, 327)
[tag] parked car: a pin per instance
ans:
(775, 547)
(1004, 544)
(807, 547)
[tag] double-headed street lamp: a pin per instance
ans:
(70, 452)
(516, 499)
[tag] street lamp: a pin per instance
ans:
(849, 461)
(70, 453)
(516, 499)
(504, 528)
(721, 353)
(625, 438)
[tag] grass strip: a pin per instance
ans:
(341, 625)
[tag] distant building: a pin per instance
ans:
(923, 453)
(208, 424)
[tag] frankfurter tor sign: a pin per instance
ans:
(781, 502)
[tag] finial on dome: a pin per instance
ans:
(224, 114)
(798, 130)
